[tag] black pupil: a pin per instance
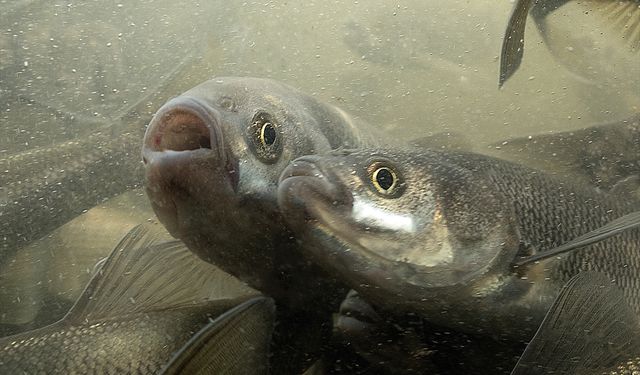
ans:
(384, 178)
(268, 134)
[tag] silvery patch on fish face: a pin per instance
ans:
(393, 217)
(474, 217)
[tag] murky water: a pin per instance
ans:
(414, 68)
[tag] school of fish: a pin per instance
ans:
(361, 255)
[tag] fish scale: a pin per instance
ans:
(152, 304)
(552, 211)
(150, 340)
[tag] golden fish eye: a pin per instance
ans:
(385, 180)
(264, 137)
(268, 134)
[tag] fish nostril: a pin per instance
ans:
(181, 130)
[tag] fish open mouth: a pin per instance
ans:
(183, 124)
(184, 152)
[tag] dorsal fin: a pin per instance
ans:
(590, 328)
(142, 275)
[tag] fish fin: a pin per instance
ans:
(589, 327)
(612, 228)
(359, 326)
(443, 141)
(513, 42)
(623, 17)
(318, 368)
(228, 345)
(143, 275)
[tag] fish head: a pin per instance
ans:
(213, 157)
(398, 226)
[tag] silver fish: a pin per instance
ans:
(213, 157)
(438, 233)
(149, 306)
(590, 329)
(623, 15)
(605, 155)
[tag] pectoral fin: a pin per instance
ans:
(145, 273)
(612, 228)
(589, 329)
(237, 342)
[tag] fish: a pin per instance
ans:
(590, 329)
(369, 332)
(437, 233)
(407, 344)
(604, 155)
(212, 160)
(43, 188)
(624, 16)
(151, 308)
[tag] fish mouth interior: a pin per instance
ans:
(180, 131)
(183, 124)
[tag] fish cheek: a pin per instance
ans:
(482, 226)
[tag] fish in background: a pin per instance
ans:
(590, 329)
(44, 188)
(439, 234)
(623, 15)
(392, 343)
(606, 155)
(151, 308)
(213, 157)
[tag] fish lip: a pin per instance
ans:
(195, 125)
(184, 137)
(206, 129)
(304, 177)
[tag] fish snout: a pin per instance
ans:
(186, 133)
(305, 185)
(184, 155)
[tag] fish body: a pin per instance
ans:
(602, 155)
(139, 313)
(212, 158)
(437, 233)
(623, 17)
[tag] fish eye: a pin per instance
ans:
(385, 179)
(268, 134)
(264, 137)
